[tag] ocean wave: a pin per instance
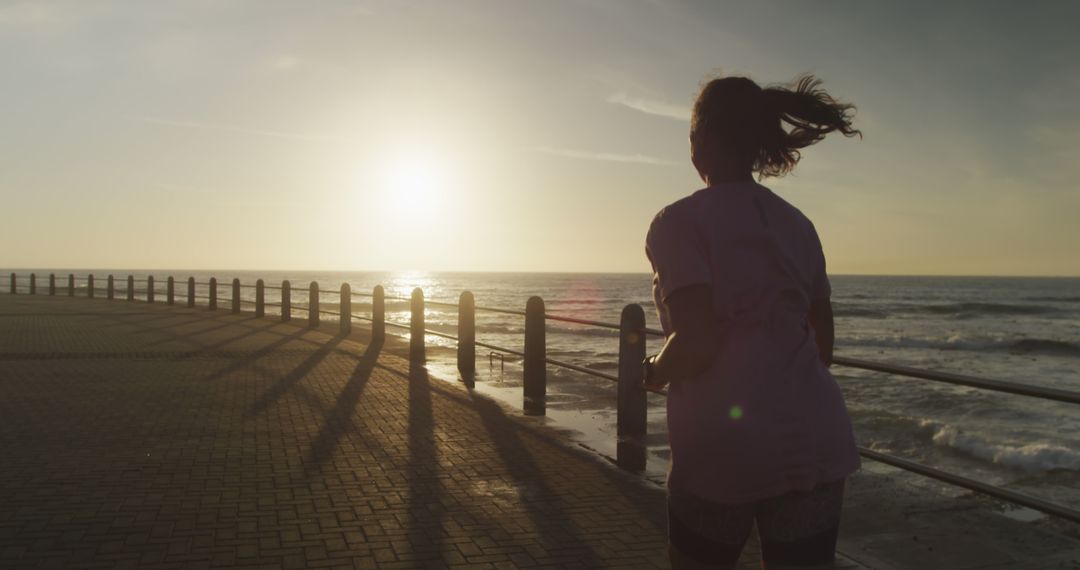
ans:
(578, 330)
(561, 352)
(841, 311)
(1035, 346)
(583, 330)
(1032, 457)
(499, 329)
(966, 310)
(556, 303)
(980, 309)
(1053, 299)
(1045, 346)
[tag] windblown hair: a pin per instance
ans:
(736, 115)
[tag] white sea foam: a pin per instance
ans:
(1031, 457)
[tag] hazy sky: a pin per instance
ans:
(507, 136)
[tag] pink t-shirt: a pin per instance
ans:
(767, 417)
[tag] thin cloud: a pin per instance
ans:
(286, 63)
(239, 130)
(658, 108)
(604, 156)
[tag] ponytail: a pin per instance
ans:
(751, 120)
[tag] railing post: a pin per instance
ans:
(416, 327)
(345, 313)
(90, 286)
(235, 296)
(535, 358)
(260, 299)
(149, 288)
(131, 288)
(33, 284)
(378, 314)
(190, 292)
(466, 348)
(631, 410)
(12, 283)
(212, 305)
(52, 284)
(71, 284)
(110, 288)
(286, 301)
(170, 291)
(313, 306)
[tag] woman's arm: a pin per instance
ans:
(692, 344)
(821, 319)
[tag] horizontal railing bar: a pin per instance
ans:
(440, 334)
(582, 369)
(296, 307)
(553, 362)
(398, 325)
(600, 324)
(963, 380)
(504, 311)
(359, 294)
(582, 322)
(500, 348)
(441, 304)
(272, 304)
(978, 486)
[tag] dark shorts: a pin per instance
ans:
(797, 528)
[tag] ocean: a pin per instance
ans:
(1019, 329)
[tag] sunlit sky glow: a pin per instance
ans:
(519, 136)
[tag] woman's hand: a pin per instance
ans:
(649, 380)
(694, 341)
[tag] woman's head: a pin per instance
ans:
(739, 127)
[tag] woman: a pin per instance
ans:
(757, 424)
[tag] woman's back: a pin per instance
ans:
(766, 417)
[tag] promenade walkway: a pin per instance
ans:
(145, 436)
(138, 435)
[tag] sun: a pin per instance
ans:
(414, 185)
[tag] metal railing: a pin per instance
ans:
(631, 396)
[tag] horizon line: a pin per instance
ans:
(7, 271)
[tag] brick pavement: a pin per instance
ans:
(146, 436)
(159, 437)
